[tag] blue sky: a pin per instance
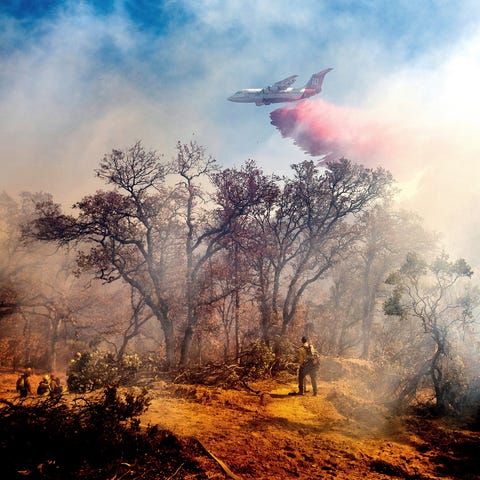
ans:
(78, 78)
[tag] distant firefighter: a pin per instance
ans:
(24, 386)
(74, 372)
(56, 388)
(43, 388)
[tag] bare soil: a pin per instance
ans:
(342, 433)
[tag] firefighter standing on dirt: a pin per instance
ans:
(308, 366)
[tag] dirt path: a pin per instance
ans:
(281, 436)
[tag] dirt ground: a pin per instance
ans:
(342, 433)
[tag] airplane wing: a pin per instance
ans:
(283, 84)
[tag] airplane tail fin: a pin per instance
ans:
(316, 80)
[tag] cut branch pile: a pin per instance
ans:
(254, 364)
(213, 374)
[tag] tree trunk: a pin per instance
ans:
(52, 354)
(168, 332)
(28, 338)
(186, 345)
(237, 324)
(191, 323)
(169, 345)
(237, 305)
(366, 333)
(436, 374)
(367, 317)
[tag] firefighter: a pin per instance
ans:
(308, 366)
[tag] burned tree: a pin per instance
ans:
(306, 230)
(428, 293)
(125, 233)
(211, 227)
(155, 236)
(359, 286)
(37, 296)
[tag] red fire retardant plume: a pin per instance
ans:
(323, 129)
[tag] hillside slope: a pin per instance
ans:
(343, 433)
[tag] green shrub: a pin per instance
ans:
(258, 361)
(93, 370)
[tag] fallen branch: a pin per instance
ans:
(222, 464)
(250, 389)
(175, 472)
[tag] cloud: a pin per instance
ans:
(72, 88)
(79, 81)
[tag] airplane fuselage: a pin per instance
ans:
(281, 91)
(261, 96)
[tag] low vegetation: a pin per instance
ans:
(92, 438)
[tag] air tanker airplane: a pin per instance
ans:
(281, 91)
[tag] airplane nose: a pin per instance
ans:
(231, 98)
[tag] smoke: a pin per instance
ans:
(430, 147)
(326, 130)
